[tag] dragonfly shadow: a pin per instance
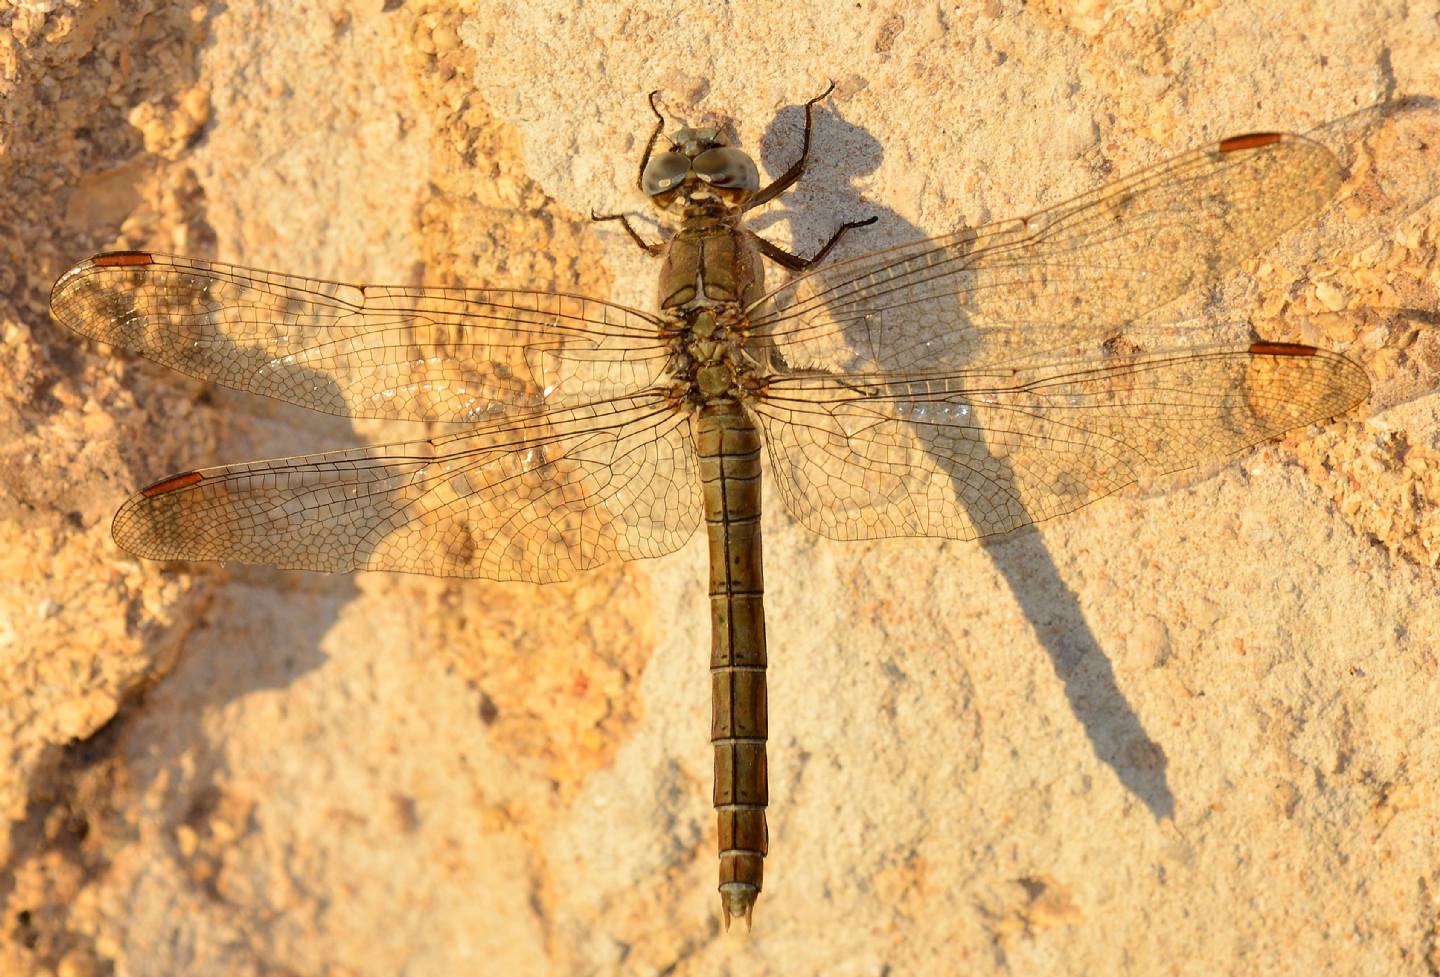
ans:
(1116, 733)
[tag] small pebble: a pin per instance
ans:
(445, 39)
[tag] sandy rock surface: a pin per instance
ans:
(1187, 730)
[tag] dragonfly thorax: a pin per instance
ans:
(709, 361)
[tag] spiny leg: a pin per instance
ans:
(794, 262)
(779, 255)
(788, 178)
(644, 245)
(648, 248)
(650, 143)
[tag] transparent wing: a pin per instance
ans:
(409, 353)
(981, 452)
(536, 499)
(1072, 274)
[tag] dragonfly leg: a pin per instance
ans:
(649, 145)
(644, 245)
(788, 178)
(794, 262)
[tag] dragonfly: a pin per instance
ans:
(961, 386)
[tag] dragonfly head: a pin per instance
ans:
(699, 165)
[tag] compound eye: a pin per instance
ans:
(664, 172)
(727, 167)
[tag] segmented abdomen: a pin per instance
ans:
(729, 449)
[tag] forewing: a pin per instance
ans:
(400, 352)
(538, 499)
(977, 452)
(1072, 274)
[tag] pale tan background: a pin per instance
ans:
(1190, 730)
